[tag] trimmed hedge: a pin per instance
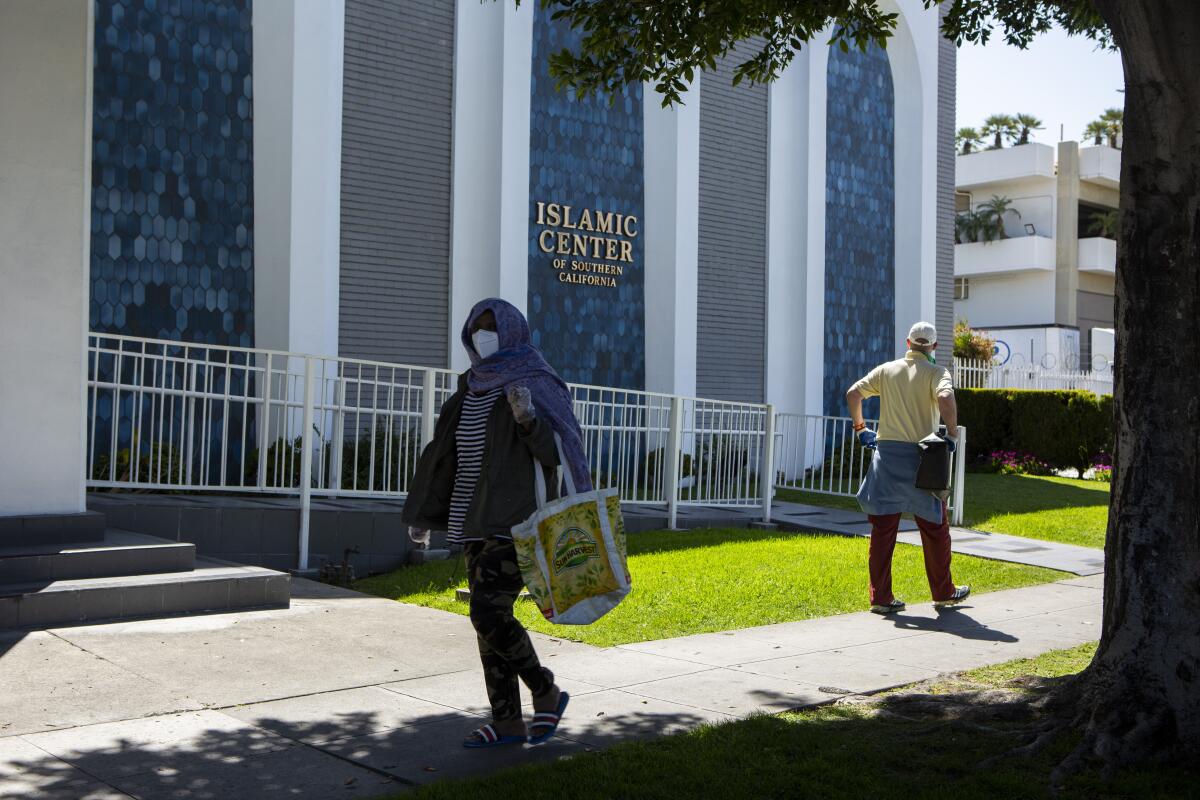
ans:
(1063, 428)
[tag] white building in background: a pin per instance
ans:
(1045, 293)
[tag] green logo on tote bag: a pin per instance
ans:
(574, 548)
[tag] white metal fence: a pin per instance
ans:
(970, 374)
(170, 415)
(821, 455)
(164, 415)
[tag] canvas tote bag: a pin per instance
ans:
(572, 552)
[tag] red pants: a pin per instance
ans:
(935, 542)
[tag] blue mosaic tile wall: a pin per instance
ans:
(586, 154)
(860, 222)
(172, 173)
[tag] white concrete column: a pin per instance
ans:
(813, 149)
(298, 62)
(1066, 236)
(671, 228)
(789, 300)
(912, 52)
(489, 245)
(45, 198)
(514, 154)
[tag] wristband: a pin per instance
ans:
(858, 427)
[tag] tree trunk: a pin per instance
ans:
(1141, 695)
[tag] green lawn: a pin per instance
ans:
(717, 580)
(838, 752)
(1056, 509)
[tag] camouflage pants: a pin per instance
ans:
(504, 646)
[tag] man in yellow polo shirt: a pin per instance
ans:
(913, 392)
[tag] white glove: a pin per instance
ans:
(418, 536)
(521, 403)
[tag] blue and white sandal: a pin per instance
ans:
(487, 736)
(547, 721)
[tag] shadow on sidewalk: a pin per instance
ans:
(352, 755)
(955, 622)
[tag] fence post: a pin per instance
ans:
(264, 424)
(189, 402)
(671, 479)
(766, 478)
(428, 403)
(960, 474)
(306, 440)
(339, 433)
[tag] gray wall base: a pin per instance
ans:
(265, 531)
(43, 529)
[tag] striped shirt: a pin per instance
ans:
(469, 440)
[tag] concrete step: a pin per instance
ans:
(213, 587)
(45, 529)
(119, 553)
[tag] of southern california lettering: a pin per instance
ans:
(590, 246)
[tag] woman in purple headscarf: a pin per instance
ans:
(475, 480)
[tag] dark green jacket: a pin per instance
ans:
(504, 495)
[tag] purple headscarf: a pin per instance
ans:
(518, 362)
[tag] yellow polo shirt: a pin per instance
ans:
(908, 389)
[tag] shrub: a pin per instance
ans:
(158, 462)
(283, 463)
(388, 466)
(971, 344)
(1010, 462)
(1062, 428)
(987, 415)
(650, 474)
(720, 456)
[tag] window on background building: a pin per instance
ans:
(1097, 220)
(962, 288)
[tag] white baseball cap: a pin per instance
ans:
(923, 333)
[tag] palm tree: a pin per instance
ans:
(1114, 125)
(1000, 126)
(1027, 124)
(967, 227)
(1104, 224)
(1095, 131)
(967, 139)
(991, 215)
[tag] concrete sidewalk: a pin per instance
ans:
(822, 519)
(996, 546)
(345, 695)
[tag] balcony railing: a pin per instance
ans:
(1018, 254)
(1099, 255)
(1100, 164)
(997, 166)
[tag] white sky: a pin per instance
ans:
(1059, 79)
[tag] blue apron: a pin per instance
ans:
(888, 487)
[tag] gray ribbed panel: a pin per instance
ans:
(730, 337)
(396, 140)
(947, 53)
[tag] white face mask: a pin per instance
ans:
(486, 343)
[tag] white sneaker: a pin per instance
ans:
(961, 593)
(890, 608)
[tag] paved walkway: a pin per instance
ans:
(345, 695)
(797, 516)
(998, 546)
